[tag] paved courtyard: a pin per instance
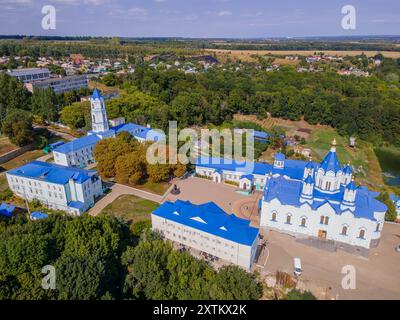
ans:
(377, 277)
(198, 191)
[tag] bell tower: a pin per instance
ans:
(98, 112)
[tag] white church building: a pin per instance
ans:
(311, 199)
(80, 152)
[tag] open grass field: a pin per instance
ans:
(362, 158)
(130, 208)
(245, 55)
(103, 88)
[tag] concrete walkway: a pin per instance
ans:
(119, 190)
(45, 157)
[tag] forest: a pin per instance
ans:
(367, 107)
(102, 258)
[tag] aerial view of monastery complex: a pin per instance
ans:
(202, 164)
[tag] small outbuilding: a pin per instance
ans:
(6, 210)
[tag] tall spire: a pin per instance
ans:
(333, 145)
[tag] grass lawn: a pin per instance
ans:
(3, 182)
(22, 159)
(157, 188)
(130, 208)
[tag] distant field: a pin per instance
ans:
(245, 54)
(130, 208)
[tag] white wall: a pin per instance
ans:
(230, 251)
(78, 158)
(313, 225)
(55, 196)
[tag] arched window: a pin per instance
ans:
(273, 216)
(362, 234)
(328, 185)
(93, 118)
(288, 219)
(321, 221)
(326, 220)
(344, 231)
(303, 222)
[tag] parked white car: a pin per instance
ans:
(297, 267)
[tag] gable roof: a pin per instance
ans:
(210, 218)
(78, 144)
(293, 168)
(51, 172)
(288, 193)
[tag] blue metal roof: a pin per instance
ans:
(309, 179)
(37, 215)
(310, 165)
(210, 218)
(331, 163)
(6, 209)
(247, 176)
(260, 135)
(96, 95)
(347, 169)
(138, 131)
(279, 156)
(78, 144)
(51, 172)
(288, 193)
(56, 144)
(76, 204)
(293, 168)
(351, 186)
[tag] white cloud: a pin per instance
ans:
(131, 12)
(224, 13)
(76, 2)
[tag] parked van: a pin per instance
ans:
(297, 266)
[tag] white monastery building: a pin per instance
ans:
(79, 152)
(60, 188)
(312, 199)
(209, 229)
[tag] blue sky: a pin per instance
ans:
(200, 18)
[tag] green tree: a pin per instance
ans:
(17, 126)
(158, 172)
(233, 283)
(391, 213)
(76, 115)
(296, 294)
(44, 104)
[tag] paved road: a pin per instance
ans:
(376, 276)
(119, 190)
(63, 135)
